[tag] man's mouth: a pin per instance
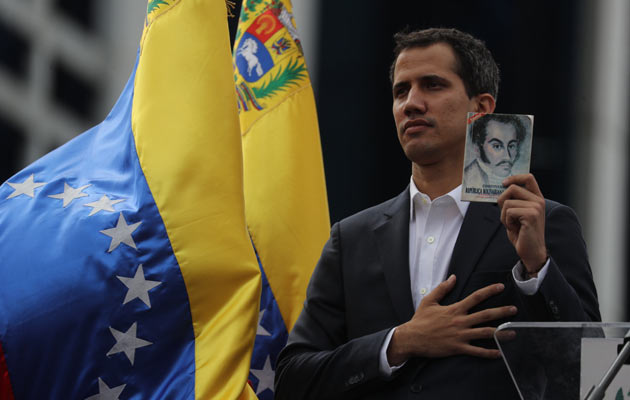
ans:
(417, 125)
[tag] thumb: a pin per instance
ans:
(441, 290)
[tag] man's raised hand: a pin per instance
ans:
(523, 215)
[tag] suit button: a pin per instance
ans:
(553, 307)
(354, 379)
(416, 388)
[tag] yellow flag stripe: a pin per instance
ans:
(285, 191)
(187, 135)
(285, 197)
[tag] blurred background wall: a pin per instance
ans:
(64, 62)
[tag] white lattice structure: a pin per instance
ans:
(102, 55)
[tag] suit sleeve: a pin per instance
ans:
(318, 361)
(567, 292)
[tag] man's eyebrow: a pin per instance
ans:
(495, 140)
(433, 77)
(423, 78)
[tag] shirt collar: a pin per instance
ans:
(455, 194)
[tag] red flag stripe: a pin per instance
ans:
(5, 385)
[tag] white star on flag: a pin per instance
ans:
(69, 194)
(138, 287)
(260, 330)
(127, 342)
(121, 233)
(103, 204)
(105, 393)
(265, 376)
(26, 188)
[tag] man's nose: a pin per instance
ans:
(416, 102)
(505, 156)
(511, 153)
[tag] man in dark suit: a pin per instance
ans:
(406, 295)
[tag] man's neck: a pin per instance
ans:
(436, 180)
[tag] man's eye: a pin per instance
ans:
(400, 92)
(497, 146)
(433, 85)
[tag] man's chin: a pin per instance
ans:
(504, 173)
(419, 153)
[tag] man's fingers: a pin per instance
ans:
(506, 335)
(440, 290)
(480, 333)
(480, 295)
(513, 218)
(525, 180)
(518, 208)
(480, 352)
(523, 187)
(516, 203)
(518, 192)
(491, 314)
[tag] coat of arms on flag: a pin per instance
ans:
(268, 58)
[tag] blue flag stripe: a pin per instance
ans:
(62, 262)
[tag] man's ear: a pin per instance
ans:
(484, 103)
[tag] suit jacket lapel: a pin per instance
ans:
(480, 223)
(392, 234)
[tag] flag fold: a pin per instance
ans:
(127, 270)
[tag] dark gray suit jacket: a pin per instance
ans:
(361, 289)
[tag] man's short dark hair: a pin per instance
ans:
(474, 62)
(480, 129)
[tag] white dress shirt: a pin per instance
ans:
(433, 229)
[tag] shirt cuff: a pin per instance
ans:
(383, 365)
(530, 286)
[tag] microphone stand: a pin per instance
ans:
(598, 391)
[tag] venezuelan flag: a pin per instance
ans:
(126, 268)
(285, 190)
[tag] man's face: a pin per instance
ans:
(430, 105)
(500, 147)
